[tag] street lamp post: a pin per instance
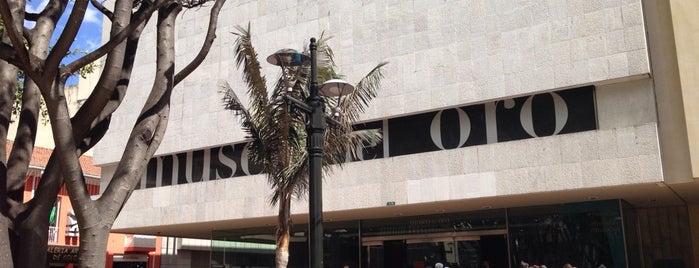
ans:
(315, 129)
(314, 108)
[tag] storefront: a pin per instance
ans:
(587, 234)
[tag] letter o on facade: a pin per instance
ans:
(560, 112)
(464, 129)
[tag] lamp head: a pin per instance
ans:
(288, 57)
(335, 88)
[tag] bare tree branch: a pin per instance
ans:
(147, 133)
(114, 65)
(9, 54)
(106, 12)
(206, 47)
(13, 34)
(9, 206)
(115, 40)
(8, 86)
(60, 48)
(64, 139)
(39, 44)
(192, 3)
(31, 16)
(25, 137)
(103, 102)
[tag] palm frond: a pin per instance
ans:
(269, 148)
(342, 147)
(326, 60)
(295, 177)
(232, 102)
(279, 135)
(253, 78)
(230, 99)
(354, 104)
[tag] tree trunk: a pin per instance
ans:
(283, 232)
(5, 250)
(151, 124)
(93, 246)
(8, 83)
(33, 244)
(34, 218)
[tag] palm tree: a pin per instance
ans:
(278, 138)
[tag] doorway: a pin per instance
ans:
(453, 250)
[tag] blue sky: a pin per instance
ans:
(90, 34)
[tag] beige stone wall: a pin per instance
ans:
(672, 36)
(441, 54)
(624, 151)
(686, 28)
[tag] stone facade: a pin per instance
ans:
(441, 54)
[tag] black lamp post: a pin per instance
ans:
(314, 108)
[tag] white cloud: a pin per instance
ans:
(91, 44)
(37, 8)
(93, 16)
(34, 7)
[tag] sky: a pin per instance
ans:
(90, 33)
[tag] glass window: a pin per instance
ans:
(243, 248)
(587, 235)
(255, 247)
(439, 223)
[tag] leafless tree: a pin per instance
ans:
(23, 223)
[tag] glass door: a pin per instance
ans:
(468, 252)
(425, 253)
(374, 254)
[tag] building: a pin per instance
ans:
(533, 131)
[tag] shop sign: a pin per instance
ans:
(62, 254)
(540, 115)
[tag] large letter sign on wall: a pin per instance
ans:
(464, 126)
(244, 164)
(545, 114)
(228, 165)
(540, 115)
(201, 165)
(560, 111)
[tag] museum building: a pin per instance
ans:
(539, 132)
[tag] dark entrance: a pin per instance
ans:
(454, 250)
(494, 250)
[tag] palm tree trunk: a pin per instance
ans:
(283, 232)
